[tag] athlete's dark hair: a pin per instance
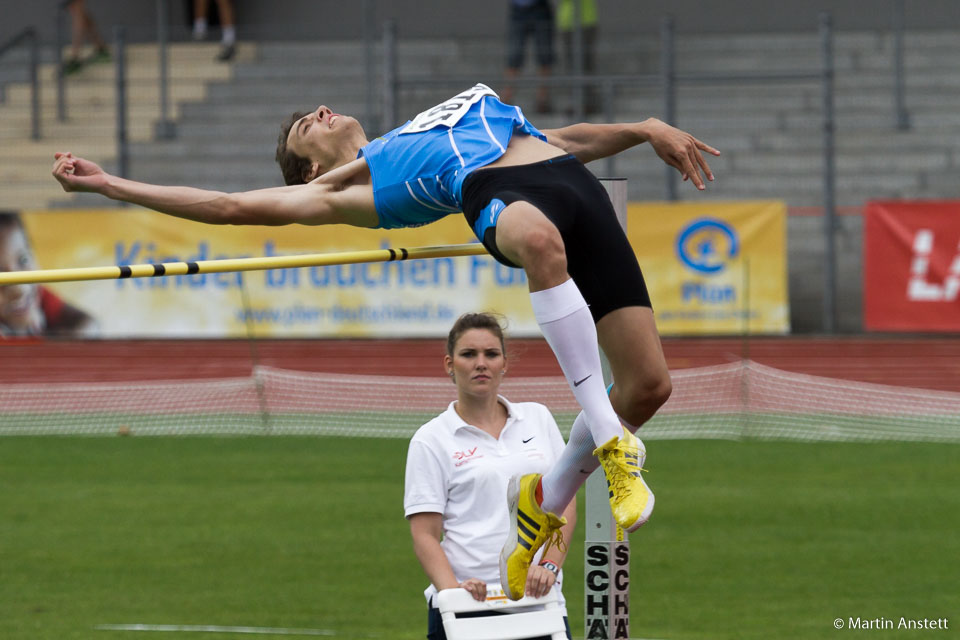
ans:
(469, 321)
(293, 167)
(10, 219)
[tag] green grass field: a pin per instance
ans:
(750, 540)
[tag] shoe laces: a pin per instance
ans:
(621, 473)
(555, 539)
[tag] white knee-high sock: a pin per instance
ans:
(567, 324)
(576, 463)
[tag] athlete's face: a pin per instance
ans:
(478, 362)
(328, 139)
(19, 303)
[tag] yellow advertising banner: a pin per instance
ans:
(410, 298)
(714, 267)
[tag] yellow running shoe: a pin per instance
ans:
(630, 498)
(532, 527)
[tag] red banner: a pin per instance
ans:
(911, 266)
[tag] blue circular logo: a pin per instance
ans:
(707, 245)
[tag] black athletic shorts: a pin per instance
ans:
(599, 257)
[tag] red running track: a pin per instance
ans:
(932, 363)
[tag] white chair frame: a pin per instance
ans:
(525, 618)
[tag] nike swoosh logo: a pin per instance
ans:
(580, 382)
(529, 439)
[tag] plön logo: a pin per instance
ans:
(706, 245)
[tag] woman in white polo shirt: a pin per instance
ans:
(458, 467)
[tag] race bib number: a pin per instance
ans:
(448, 113)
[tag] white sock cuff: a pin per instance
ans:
(556, 303)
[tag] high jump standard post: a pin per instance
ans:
(606, 568)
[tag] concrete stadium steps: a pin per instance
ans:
(862, 44)
(217, 174)
(287, 95)
(225, 126)
(200, 149)
(34, 195)
(797, 96)
(806, 195)
(25, 169)
(947, 185)
(807, 190)
(90, 129)
(762, 120)
(877, 140)
(812, 162)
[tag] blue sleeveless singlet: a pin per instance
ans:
(418, 169)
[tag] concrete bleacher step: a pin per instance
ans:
(946, 184)
(200, 150)
(90, 129)
(879, 140)
(804, 42)
(812, 162)
(282, 92)
(806, 189)
(209, 167)
(918, 79)
(263, 128)
(243, 113)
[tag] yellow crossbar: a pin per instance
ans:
(237, 264)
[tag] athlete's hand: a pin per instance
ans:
(680, 150)
(77, 174)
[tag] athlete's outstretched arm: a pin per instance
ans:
(336, 198)
(677, 148)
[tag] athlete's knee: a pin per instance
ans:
(636, 402)
(661, 391)
(542, 241)
(541, 249)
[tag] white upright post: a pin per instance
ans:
(606, 551)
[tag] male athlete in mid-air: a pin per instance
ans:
(533, 204)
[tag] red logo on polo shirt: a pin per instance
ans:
(463, 457)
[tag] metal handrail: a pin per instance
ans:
(29, 34)
(901, 115)
(120, 64)
(165, 128)
(61, 38)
